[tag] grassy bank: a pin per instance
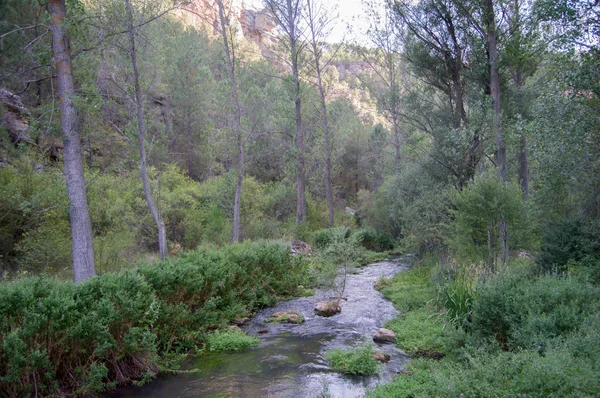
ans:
(60, 339)
(516, 333)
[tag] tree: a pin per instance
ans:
(288, 16)
(384, 60)
(162, 234)
(227, 36)
(81, 230)
(319, 26)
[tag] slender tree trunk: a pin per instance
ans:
(397, 141)
(524, 167)
(162, 235)
(237, 124)
(81, 229)
(300, 182)
(495, 92)
(326, 132)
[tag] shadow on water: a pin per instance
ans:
(289, 360)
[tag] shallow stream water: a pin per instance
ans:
(289, 361)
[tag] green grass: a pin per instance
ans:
(231, 340)
(419, 330)
(410, 290)
(527, 335)
(354, 361)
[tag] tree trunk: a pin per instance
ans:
(162, 235)
(495, 92)
(81, 229)
(237, 124)
(326, 132)
(300, 183)
(524, 168)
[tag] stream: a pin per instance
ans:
(289, 360)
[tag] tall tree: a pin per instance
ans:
(139, 103)
(319, 25)
(482, 17)
(384, 60)
(81, 230)
(288, 16)
(227, 36)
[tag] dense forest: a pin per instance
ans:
(164, 155)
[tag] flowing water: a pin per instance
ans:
(289, 360)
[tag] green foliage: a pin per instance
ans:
(520, 312)
(568, 242)
(419, 331)
(115, 328)
(524, 373)
(354, 361)
(326, 237)
(479, 209)
(374, 240)
(410, 290)
(529, 335)
(231, 340)
(411, 206)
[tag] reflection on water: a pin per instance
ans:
(289, 360)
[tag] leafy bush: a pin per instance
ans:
(325, 237)
(480, 207)
(374, 240)
(61, 339)
(413, 207)
(520, 312)
(569, 241)
(355, 361)
(231, 340)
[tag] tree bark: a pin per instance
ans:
(495, 92)
(81, 229)
(237, 125)
(162, 235)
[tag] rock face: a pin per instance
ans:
(328, 308)
(13, 116)
(384, 336)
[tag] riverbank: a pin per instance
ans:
(515, 333)
(119, 328)
(290, 359)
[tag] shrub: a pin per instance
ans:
(568, 241)
(355, 361)
(325, 237)
(522, 312)
(231, 340)
(479, 209)
(374, 240)
(64, 339)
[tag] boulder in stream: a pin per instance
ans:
(384, 336)
(381, 356)
(328, 308)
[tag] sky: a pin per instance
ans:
(349, 11)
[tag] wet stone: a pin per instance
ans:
(384, 336)
(328, 308)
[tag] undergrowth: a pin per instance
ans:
(354, 361)
(60, 339)
(515, 333)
